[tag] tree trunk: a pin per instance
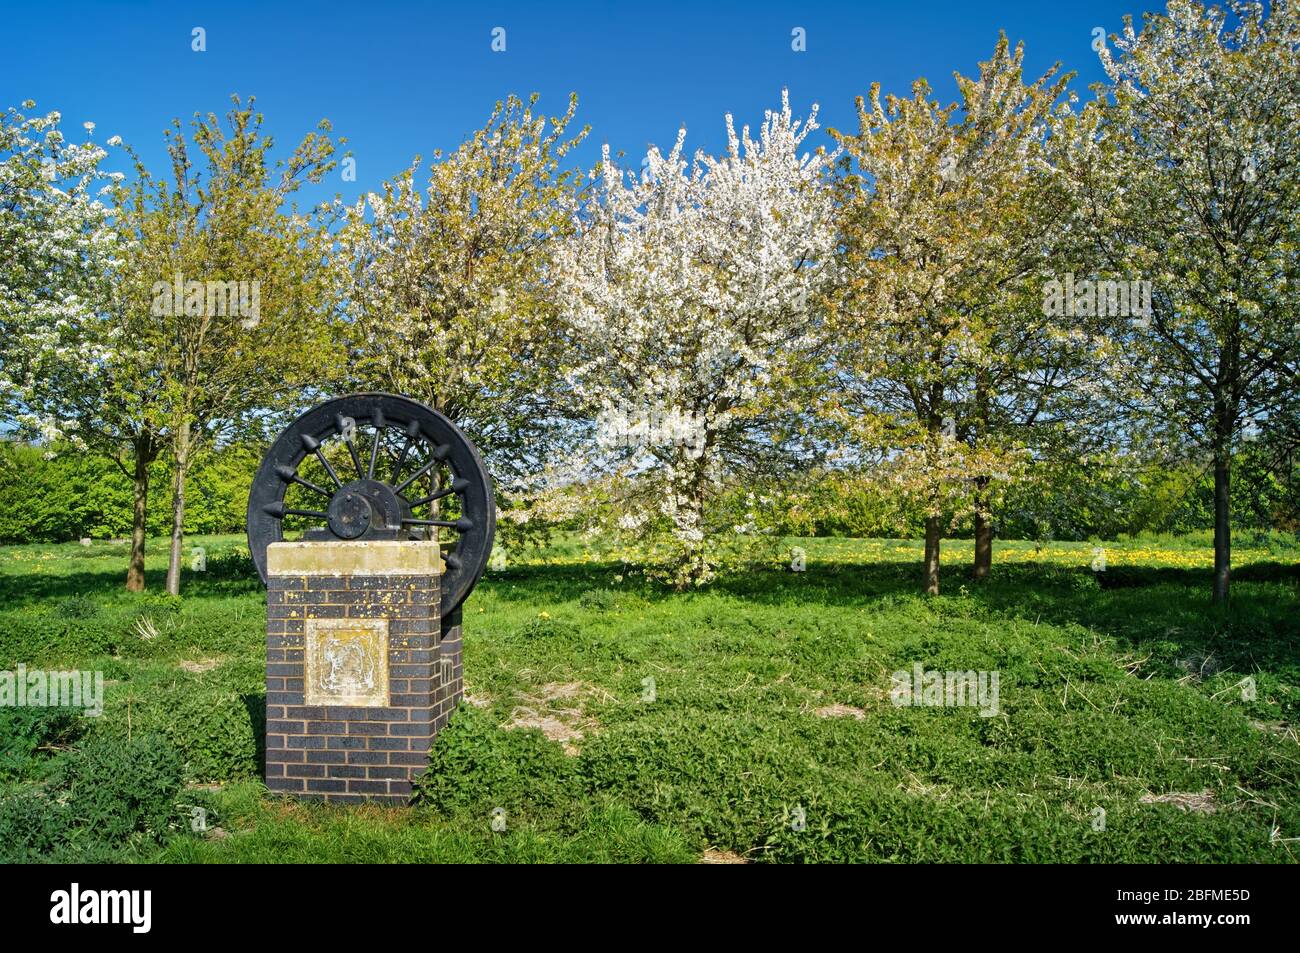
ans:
(180, 462)
(983, 546)
(983, 525)
(933, 534)
(1222, 522)
(983, 530)
(144, 455)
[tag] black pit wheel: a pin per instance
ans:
(377, 466)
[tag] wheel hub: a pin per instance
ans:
(364, 508)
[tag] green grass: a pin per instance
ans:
(1119, 691)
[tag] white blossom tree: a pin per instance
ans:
(1188, 164)
(55, 234)
(69, 368)
(691, 294)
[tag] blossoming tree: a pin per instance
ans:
(67, 373)
(1189, 164)
(690, 291)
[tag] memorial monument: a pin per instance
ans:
(363, 619)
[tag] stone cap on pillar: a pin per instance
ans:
(370, 557)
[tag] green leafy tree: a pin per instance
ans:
(449, 300)
(230, 288)
(947, 228)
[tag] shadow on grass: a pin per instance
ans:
(1137, 606)
(38, 587)
(1140, 608)
(255, 705)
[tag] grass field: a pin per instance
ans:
(1124, 730)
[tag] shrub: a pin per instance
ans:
(477, 766)
(116, 791)
(25, 731)
(102, 798)
(31, 826)
(216, 731)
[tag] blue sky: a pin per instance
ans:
(402, 78)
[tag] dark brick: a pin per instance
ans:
(327, 784)
(371, 582)
(368, 787)
(326, 757)
(409, 729)
(326, 727)
(325, 612)
(414, 758)
(307, 712)
(410, 701)
(408, 671)
(327, 582)
(350, 742)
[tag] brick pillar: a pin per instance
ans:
(451, 685)
(361, 672)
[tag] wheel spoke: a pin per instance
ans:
(288, 476)
(457, 486)
(313, 446)
(356, 460)
(412, 431)
(280, 511)
(433, 462)
(379, 424)
(463, 525)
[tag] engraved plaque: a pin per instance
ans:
(347, 662)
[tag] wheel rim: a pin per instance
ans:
(377, 466)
